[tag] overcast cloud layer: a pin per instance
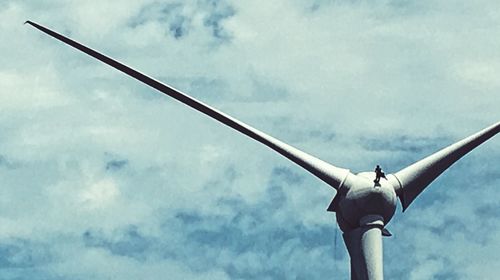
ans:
(103, 178)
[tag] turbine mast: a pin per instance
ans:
(364, 245)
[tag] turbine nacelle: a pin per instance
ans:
(361, 197)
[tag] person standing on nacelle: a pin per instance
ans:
(379, 174)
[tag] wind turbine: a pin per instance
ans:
(363, 207)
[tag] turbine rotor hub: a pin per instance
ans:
(363, 198)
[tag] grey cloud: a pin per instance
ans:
(248, 228)
(386, 8)
(26, 259)
(437, 198)
(447, 275)
(219, 11)
(489, 211)
(6, 163)
(326, 136)
(200, 240)
(404, 143)
(399, 151)
(126, 242)
(167, 13)
(265, 91)
(204, 235)
(115, 165)
(449, 226)
(18, 253)
(287, 176)
(231, 173)
(294, 129)
(207, 89)
(179, 19)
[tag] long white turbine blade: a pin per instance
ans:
(413, 179)
(330, 174)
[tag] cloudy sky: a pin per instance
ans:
(103, 178)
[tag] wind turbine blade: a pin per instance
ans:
(412, 180)
(332, 175)
(364, 245)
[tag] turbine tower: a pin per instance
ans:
(362, 205)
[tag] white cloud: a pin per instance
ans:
(99, 194)
(479, 74)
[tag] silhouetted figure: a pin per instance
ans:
(379, 174)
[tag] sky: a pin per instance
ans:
(104, 178)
